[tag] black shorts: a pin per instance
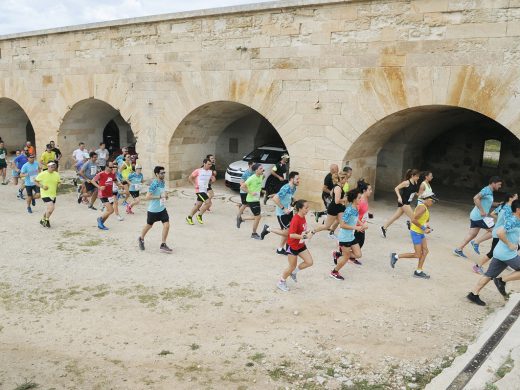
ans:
(107, 200)
(3, 164)
(360, 238)
(496, 267)
(478, 224)
(201, 197)
(405, 203)
(348, 244)
(284, 220)
(493, 245)
(31, 189)
(134, 194)
(255, 208)
(243, 197)
(90, 187)
(295, 252)
(209, 187)
(335, 209)
(47, 200)
(156, 217)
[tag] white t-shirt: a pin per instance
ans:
(79, 154)
(102, 156)
(202, 178)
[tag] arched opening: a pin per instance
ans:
(93, 121)
(225, 129)
(15, 126)
(449, 141)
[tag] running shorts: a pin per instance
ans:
(417, 238)
(284, 220)
(31, 189)
(478, 224)
(243, 197)
(497, 266)
(47, 200)
(3, 164)
(493, 245)
(90, 187)
(348, 244)
(335, 209)
(156, 217)
(201, 197)
(360, 238)
(107, 200)
(295, 252)
(255, 208)
(134, 194)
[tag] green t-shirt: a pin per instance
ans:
(3, 155)
(254, 185)
(50, 180)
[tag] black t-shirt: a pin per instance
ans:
(328, 183)
(281, 169)
(57, 152)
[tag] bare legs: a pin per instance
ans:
(405, 209)
(307, 262)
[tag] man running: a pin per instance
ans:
(57, 152)
(505, 255)
(253, 187)
(479, 216)
(276, 179)
(103, 156)
(283, 200)
(157, 196)
(136, 181)
(418, 230)
(3, 163)
(47, 156)
(104, 183)
(79, 155)
(326, 192)
(243, 195)
(88, 172)
(29, 172)
(48, 182)
(18, 163)
(201, 178)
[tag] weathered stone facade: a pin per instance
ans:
(323, 73)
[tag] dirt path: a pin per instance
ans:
(85, 309)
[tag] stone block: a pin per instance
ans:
(513, 29)
(296, 85)
(424, 6)
(476, 30)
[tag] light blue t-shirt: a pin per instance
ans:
(486, 200)
(504, 212)
(156, 189)
(244, 177)
(135, 180)
(502, 251)
(350, 217)
(31, 170)
(285, 195)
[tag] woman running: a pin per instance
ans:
(405, 192)
(425, 189)
(298, 233)
(502, 212)
(336, 206)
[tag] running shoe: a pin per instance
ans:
(199, 219)
(282, 285)
(293, 276)
(125, 203)
(501, 286)
(100, 224)
(336, 275)
(393, 259)
(356, 262)
(475, 299)
(47, 224)
(165, 249)
(282, 252)
(33, 202)
(256, 236)
(80, 198)
(421, 275)
(265, 232)
(460, 253)
(383, 232)
(189, 220)
(317, 216)
(332, 236)
(42, 222)
(130, 210)
(141, 243)
(335, 256)
(475, 247)
(478, 269)
(408, 224)
(29, 210)
(20, 194)
(91, 207)
(239, 221)
(120, 218)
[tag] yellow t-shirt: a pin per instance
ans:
(50, 180)
(126, 171)
(422, 219)
(346, 187)
(47, 157)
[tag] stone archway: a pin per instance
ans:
(86, 122)
(448, 140)
(15, 126)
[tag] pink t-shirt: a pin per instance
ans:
(362, 210)
(202, 178)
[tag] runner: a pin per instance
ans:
(283, 200)
(79, 156)
(405, 192)
(104, 182)
(157, 196)
(276, 180)
(119, 159)
(3, 163)
(125, 168)
(336, 206)
(57, 152)
(505, 255)
(103, 156)
(243, 195)
(503, 212)
(418, 230)
(253, 187)
(425, 189)
(47, 156)
(116, 186)
(326, 194)
(30, 148)
(349, 224)
(297, 236)
(15, 174)
(88, 172)
(200, 178)
(136, 181)
(213, 169)
(479, 216)
(48, 182)
(347, 171)
(19, 162)
(30, 171)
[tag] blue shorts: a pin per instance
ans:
(417, 238)
(15, 173)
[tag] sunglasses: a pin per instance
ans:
(162, 173)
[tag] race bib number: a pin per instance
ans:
(114, 187)
(490, 222)
(32, 178)
(2, 156)
(162, 201)
(137, 187)
(93, 170)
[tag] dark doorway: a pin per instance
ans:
(29, 133)
(111, 137)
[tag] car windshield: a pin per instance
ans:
(265, 156)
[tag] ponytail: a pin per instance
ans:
(410, 173)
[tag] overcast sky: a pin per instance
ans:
(28, 15)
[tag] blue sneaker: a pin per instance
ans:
(125, 203)
(460, 253)
(393, 259)
(100, 224)
(29, 210)
(475, 247)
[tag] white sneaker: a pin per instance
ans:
(282, 285)
(120, 218)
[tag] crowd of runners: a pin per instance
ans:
(118, 181)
